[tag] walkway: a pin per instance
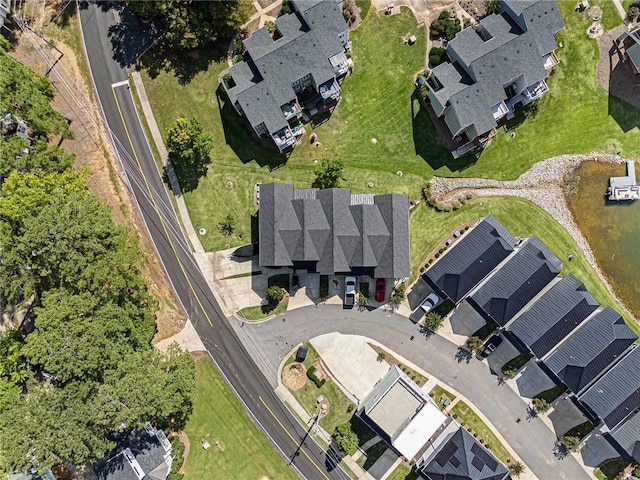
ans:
(621, 11)
(270, 342)
(164, 157)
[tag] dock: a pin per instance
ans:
(624, 188)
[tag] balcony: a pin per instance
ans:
(550, 61)
(499, 110)
(329, 91)
(291, 110)
(284, 138)
(535, 91)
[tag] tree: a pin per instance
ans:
(274, 295)
(573, 444)
(328, 174)
(227, 225)
(398, 294)
(444, 26)
(541, 405)
(4, 44)
(433, 321)
(188, 145)
(473, 344)
(190, 24)
(491, 7)
(516, 469)
(345, 438)
(634, 11)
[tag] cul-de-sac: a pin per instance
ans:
(319, 239)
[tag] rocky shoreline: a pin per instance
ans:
(543, 185)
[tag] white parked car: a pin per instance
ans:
(349, 291)
(429, 302)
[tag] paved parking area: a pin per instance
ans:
(352, 361)
(505, 352)
(531, 380)
(466, 321)
(565, 415)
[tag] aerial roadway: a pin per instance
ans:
(109, 72)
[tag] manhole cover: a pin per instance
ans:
(202, 231)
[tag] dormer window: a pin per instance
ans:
(483, 33)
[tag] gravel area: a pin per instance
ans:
(542, 184)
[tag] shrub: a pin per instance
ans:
(239, 46)
(237, 58)
(455, 205)
(509, 372)
(469, 196)
(541, 405)
(447, 207)
(437, 255)
(516, 469)
(473, 344)
(466, 227)
(573, 444)
(311, 373)
(351, 408)
(345, 438)
(286, 8)
(441, 250)
(398, 294)
(433, 321)
(435, 60)
(462, 200)
(274, 294)
(430, 261)
(177, 450)
(421, 269)
(270, 26)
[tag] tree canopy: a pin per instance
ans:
(188, 145)
(329, 174)
(191, 24)
(88, 367)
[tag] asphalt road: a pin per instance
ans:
(108, 60)
(271, 341)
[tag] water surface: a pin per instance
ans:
(611, 228)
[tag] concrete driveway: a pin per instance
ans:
(533, 441)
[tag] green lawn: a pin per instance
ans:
(244, 452)
(474, 424)
(551, 394)
(610, 469)
(581, 430)
(308, 395)
(260, 312)
(402, 472)
(516, 363)
(438, 393)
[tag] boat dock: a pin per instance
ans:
(624, 188)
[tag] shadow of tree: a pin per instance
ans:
(188, 176)
(131, 37)
(237, 134)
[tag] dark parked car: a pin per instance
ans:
(301, 354)
(381, 289)
(491, 346)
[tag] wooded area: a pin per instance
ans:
(81, 366)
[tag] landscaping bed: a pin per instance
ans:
(340, 408)
(551, 394)
(440, 395)
(610, 469)
(580, 431)
(260, 312)
(510, 368)
(390, 359)
(372, 454)
(480, 430)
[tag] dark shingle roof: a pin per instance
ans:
(554, 315)
(516, 282)
(337, 230)
(591, 349)
(617, 393)
(627, 435)
(462, 457)
(147, 450)
(511, 46)
(471, 258)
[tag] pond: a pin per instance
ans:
(611, 228)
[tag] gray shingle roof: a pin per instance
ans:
(470, 259)
(591, 349)
(307, 40)
(512, 45)
(627, 435)
(144, 447)
(554, 315)
(327, 227)
(462, 457)
(616, 394)
(516, 282)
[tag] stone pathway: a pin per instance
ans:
(261, 13)
(542, 184)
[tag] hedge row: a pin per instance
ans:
(311, 373)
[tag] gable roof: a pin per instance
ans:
(142, 455)
(462, 457)
(590, 349)
(627, 434)
(516, 282)
(616, 394)
(554, 315)
(540, 17)
(335, 229)
(470, 259)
